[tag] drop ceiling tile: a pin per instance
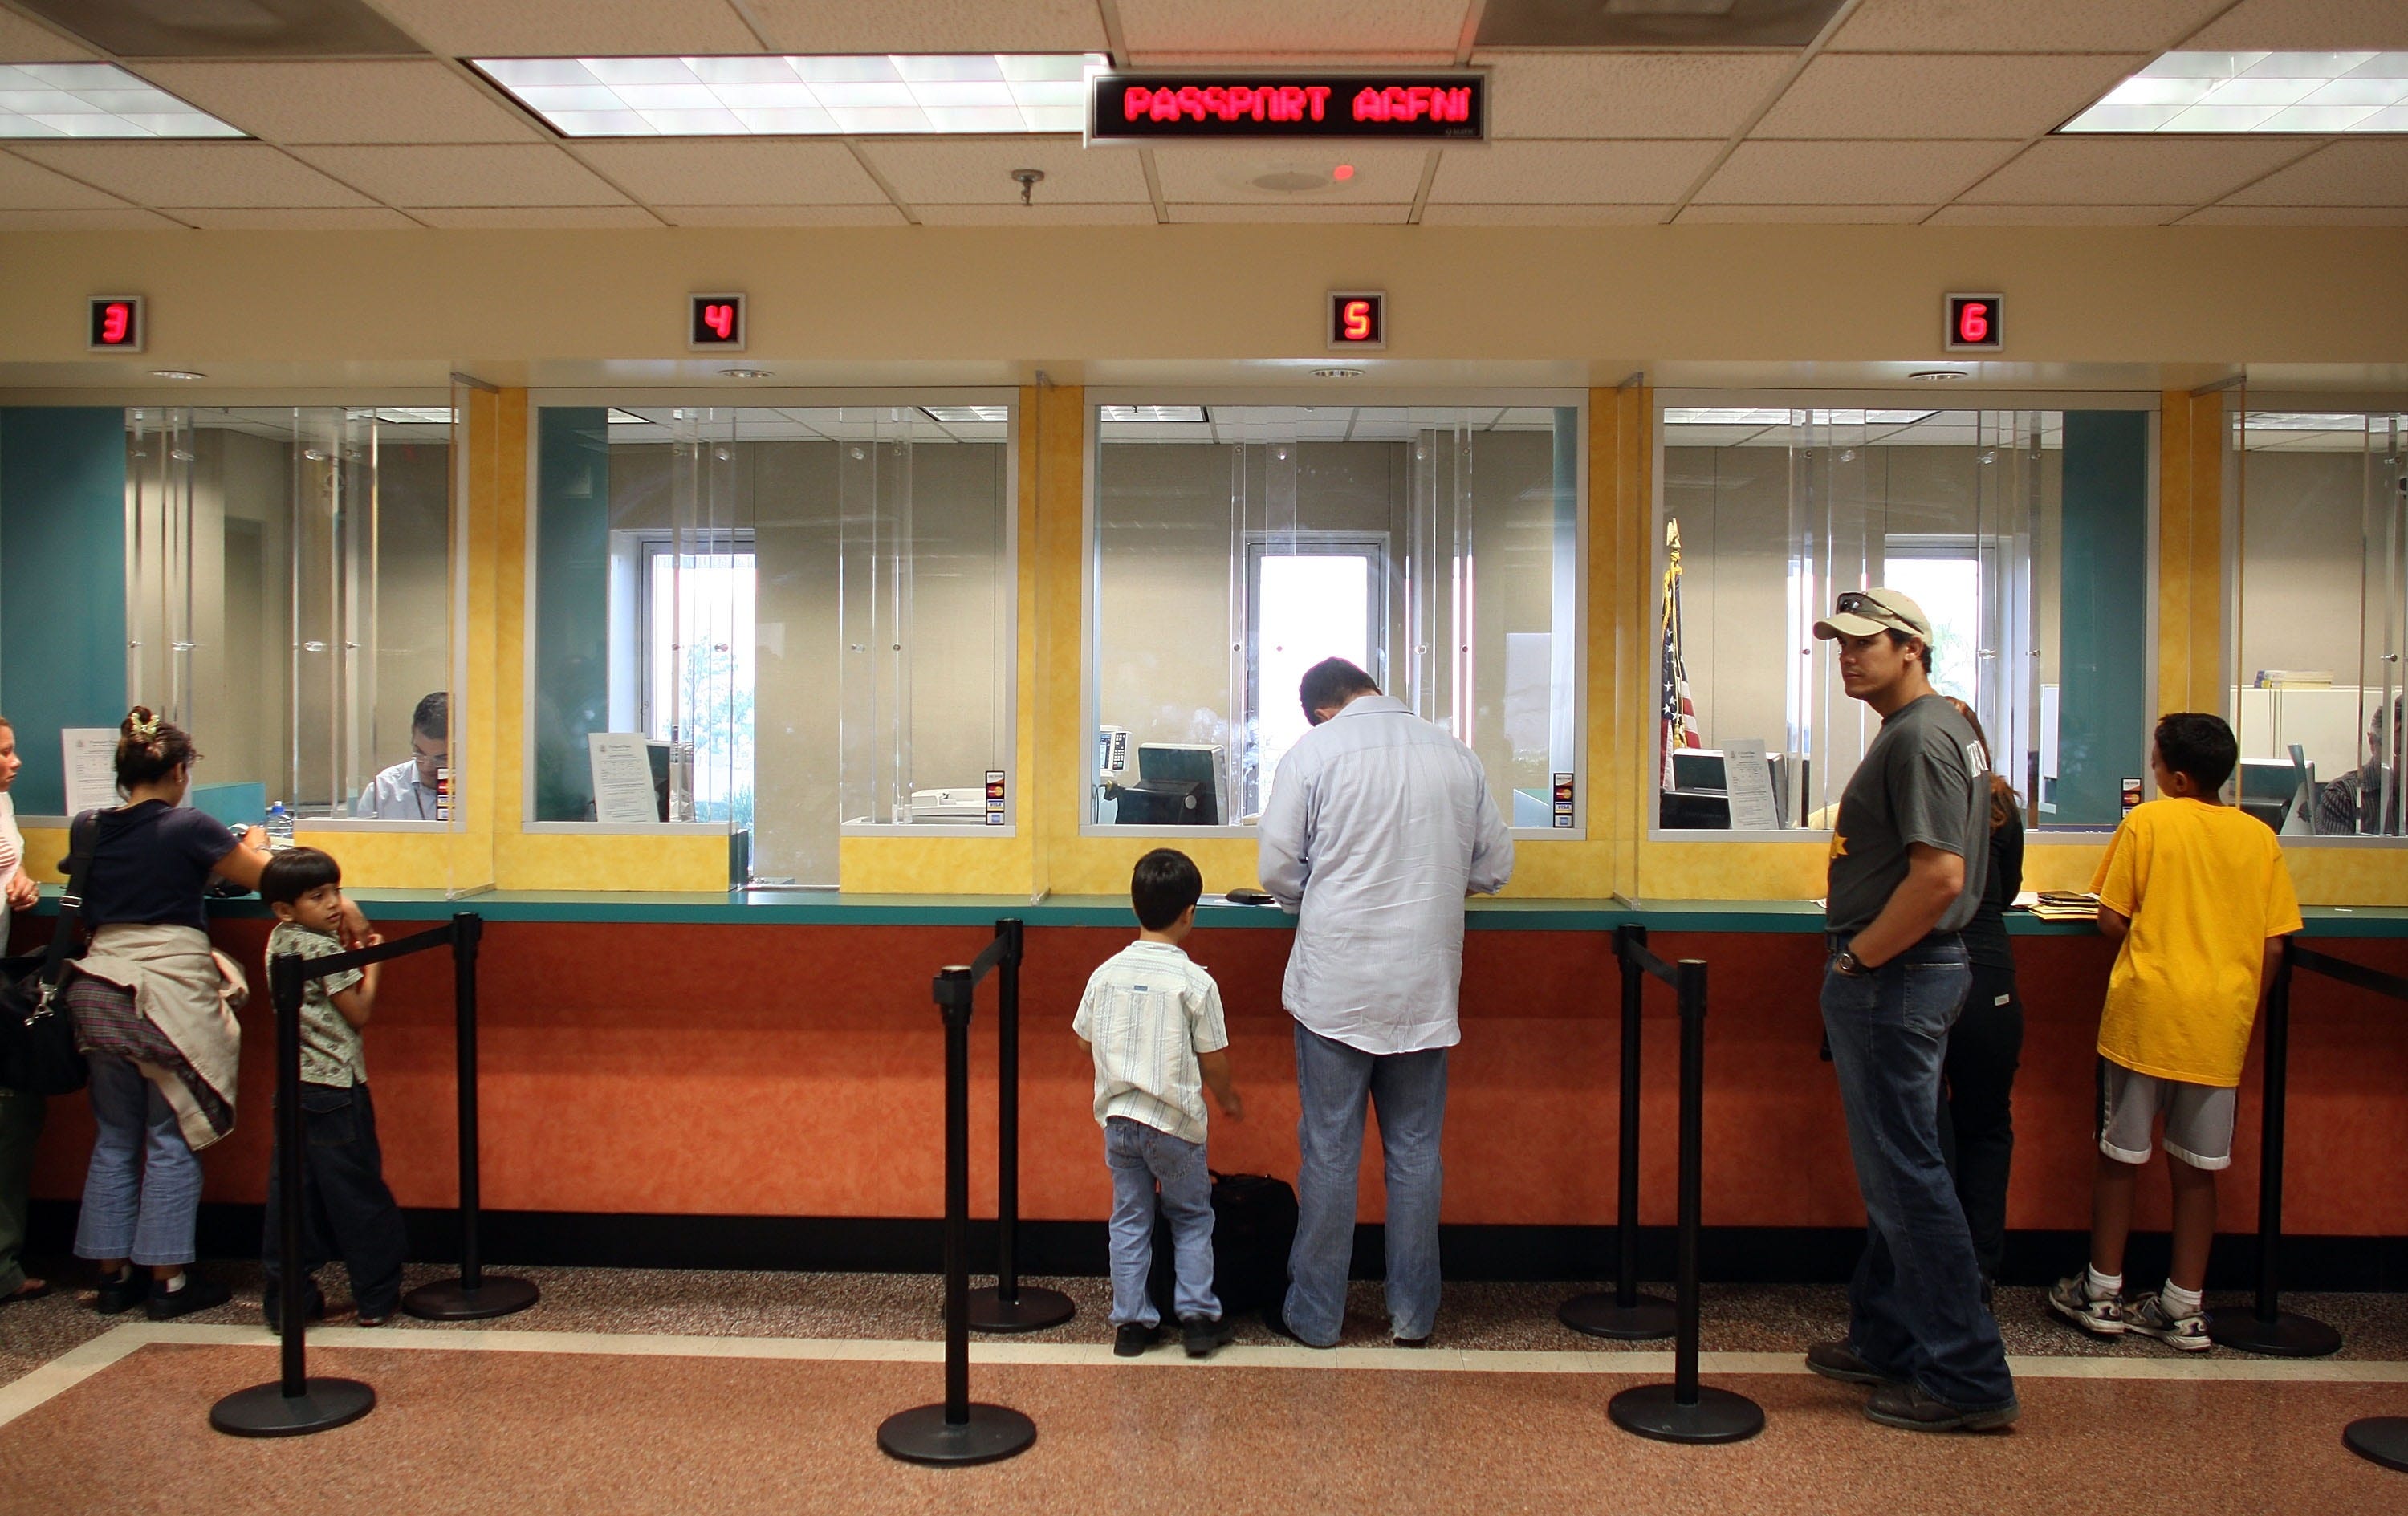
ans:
(880, 215)
(22, 41)
(1642, 95)
(933, 26)
(1260, 28)
(1570, 173)
(1435, 215)
(533, 175)
(344, 102)
(2306, 25)
(1940, 95)
(2057, 214)
(965, 171)
(319, 218)
(2373, 172)
(2021, 25)
(2064, 171)
(1844, 214)
(568, 218)
(1259, 214)
(2297, 216)
(194, 173)
(572, 28)
(1015, 214)
(1227, 174)
(120, 219)
(25, 186)
(1850, 173)
(734, 171)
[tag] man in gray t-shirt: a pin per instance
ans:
(1910, 853)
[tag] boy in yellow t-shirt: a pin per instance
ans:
(2196, 892)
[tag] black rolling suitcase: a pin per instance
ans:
(1254, 1226)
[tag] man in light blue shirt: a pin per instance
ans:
(1378, 824)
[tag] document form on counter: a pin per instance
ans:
(623, 777)
(90, 766)
(1747, 782)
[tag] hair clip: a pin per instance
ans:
(142, 730)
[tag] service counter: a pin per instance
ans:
(652, 1057)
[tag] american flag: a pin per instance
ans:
(1680, 728)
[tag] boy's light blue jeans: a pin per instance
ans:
(1333, 1082)
(1142, 1158)
(142, 1194)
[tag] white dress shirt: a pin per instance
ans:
(396, 795)
(1378, 824)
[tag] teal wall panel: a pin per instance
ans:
(62, 584)
(572, 652)
(2103, 626)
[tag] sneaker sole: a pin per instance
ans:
(1971, 1420)
(2174, 1339)
(2089, 1324)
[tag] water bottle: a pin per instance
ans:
(279, 827)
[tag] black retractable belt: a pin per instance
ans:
(1623, 1312)
(1010, 1307)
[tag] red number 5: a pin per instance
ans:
(1356, 317)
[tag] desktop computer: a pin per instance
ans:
(1178, 784)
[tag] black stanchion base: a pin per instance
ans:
(264, 1410)
(2287, 1336)
(1719, 1416)
(923, 1436)
(1601, 1314)
(448, 1300)
(2382, 1438)
(1032, 1310)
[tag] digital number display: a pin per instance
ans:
(1286, 107)
(716, 322)
(1358, 319)
(116, 323)
(1976, 323)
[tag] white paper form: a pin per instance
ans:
(89, 755)
(623, 777)
(1747, 783)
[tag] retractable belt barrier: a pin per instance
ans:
(2382, 1438)
(1007, 1306)
(958, 1431)
(1682, 1410)
(296, 1403)
(1623, 1312)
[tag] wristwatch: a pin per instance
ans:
(1849, 964)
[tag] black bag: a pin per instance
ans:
(37, 1050)
(1254, 1226)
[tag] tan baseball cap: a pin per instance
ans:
(1863, 612)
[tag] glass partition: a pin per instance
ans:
(1436, 547)
(796, 620)
(2322, 560)
(2021, 532)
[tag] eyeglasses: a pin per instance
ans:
(1856, 600)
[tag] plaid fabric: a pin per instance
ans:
(106, 1021)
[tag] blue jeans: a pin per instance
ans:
(142, 1194)
(1144, 1158)
(1915, 1308)
(1333, 1082)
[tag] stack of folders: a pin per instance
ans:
(2062, 905)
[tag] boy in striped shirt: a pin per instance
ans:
(1152, 1020)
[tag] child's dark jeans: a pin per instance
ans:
(347, 1211)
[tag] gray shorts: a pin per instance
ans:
(2198, 1117)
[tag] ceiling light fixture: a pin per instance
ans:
(53, 101)
(1935, 375)
(2319, 92)
(175, 374)
(1336, 372)
(746, 373)
(849, 94)
(961, 415)
(1193, 415)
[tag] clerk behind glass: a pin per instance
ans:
(406, 791)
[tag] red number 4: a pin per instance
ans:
(720, 319)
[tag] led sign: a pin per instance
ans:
(115, 324)
(1286, 107)
(1976, 323)
(1358, 319)
(715, 322)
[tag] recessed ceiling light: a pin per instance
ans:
(55, 101)
(2315, 92)
(746, 373)
(844, 94)
(175, 374)
(1336, 372)
(1935, 375)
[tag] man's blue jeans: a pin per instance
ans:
(1914, 1309)
(1142, 1158)
(1408, 1091)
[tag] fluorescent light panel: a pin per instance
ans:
(863, 95)
(1714, 415)
(966, 413)
(2314, 93)
(52, 101)
(1192, 414)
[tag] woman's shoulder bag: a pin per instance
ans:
(37, 1050)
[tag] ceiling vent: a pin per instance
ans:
(227, 28)
(1653, 24)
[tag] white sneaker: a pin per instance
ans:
(2071, 1299)
(2151, 1318)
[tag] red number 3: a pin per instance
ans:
(114, 318)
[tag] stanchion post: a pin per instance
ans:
(295, 1404)
(472, 1296)
(1007, 1306)
(1686, 1410)
(2383, 1439)
(958, 1431)
(2265, 1327)
(1625, 1314)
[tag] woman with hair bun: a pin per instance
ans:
(153, 1012)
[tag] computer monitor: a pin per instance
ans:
(1694, 810)
(1178, 784)
(1699, 769)
(658, 754)
(2270, 786)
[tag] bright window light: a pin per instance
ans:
(2317, 93)
(95, 100)
(864, 95)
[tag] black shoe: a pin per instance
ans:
(1838, 1361)
(116, 1297)
(30, 1290)
(1200, 1336)
(1134, 1338)
(1422, 1341)
(1906, 1406)
(1277, 1321)
(197, 1295)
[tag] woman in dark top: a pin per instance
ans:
(1977, 1126)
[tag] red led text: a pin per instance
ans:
(116, 322)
